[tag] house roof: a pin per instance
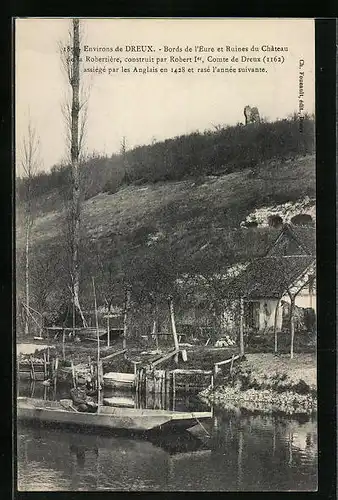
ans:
(269, 277)
(305, 237)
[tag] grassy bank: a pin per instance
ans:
(268, 383)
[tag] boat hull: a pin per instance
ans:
(109, 418)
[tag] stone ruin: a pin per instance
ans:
(251, 115)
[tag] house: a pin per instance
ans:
(266, 284)
(269, 284)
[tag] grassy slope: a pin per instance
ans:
(302, 367)
(199, 224)
(185, 209)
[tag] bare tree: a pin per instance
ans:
(292, 293)
(30, 161)
(75, 114)
(125, 166)
(292, 290)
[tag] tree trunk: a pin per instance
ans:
(27, 276)
(292, 325)
(98, 346)
(108, 329)
(125, 318)
(76, 212)
(241, 333)
(173, 325)
(275, 326)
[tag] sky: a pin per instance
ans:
(151, 107)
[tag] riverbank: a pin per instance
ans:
(198, 357)
(268, 384)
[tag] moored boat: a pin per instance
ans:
(128, 419)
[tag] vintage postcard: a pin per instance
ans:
(165, 254)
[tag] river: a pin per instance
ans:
(244, 452)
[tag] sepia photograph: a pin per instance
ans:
(165, 254)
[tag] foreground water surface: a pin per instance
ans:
(243, 452)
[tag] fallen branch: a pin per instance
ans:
(164, 358)
(113, 355)
(187, 372)
(230, 360)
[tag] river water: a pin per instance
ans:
(244, 452)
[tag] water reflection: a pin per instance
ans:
(244, 452)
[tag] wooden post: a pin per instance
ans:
(63, 345)
(136, 371)
(173, 325)
(108, 330)
(232, 363)
(174, 389)
(311, 284)
(137, 389)
(162, 388)
(98, 348)
(32, 371)
(44, 366)
(125, 317)
(73, 374)
(154, 333)
(99, 393)
(56, 366)
(290, 447)
(42, 325)
(167, 390)
(275, 326)
(240, 458)
(74, 324)
(292, 325)
(241, 333)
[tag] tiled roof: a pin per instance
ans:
(306, 235)
(269, 277)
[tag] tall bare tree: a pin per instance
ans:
(75, 114)
(125, 165)
(30, 161)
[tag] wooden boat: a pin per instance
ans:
(119, 380)
(128, 419)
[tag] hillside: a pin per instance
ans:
(157, 214)
(194, 156)
(151, 234)
(142, 214)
